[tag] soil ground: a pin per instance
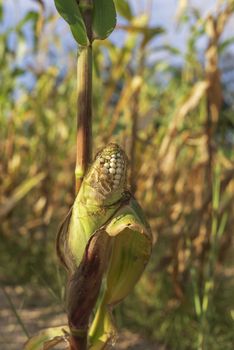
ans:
(36, 312)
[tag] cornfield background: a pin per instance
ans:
(172, 109)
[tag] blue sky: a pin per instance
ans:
(163, 14)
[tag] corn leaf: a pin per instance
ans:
(19, 193)
(147, 31)
(130, 254)
(84, 285)
(70, 12)
(104, 18)
(47, 338)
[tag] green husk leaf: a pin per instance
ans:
(104, 18)
(80, 226)
(70, 12)
(103, 331)
(47, 338)
(91, 210)
(130, 253)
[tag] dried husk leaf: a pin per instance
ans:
(131, 249)
(84, 285)
(48, 338)
(169, 149)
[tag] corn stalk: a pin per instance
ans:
(84, 99)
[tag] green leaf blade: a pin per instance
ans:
(104, 18)
(79, 35)
(70, 12)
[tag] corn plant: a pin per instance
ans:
(105, 241)
(181, 115)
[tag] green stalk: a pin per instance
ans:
(84, 143)
(84, 113)
(78, 341)
(84, 98)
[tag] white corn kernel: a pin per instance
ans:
(112, 171)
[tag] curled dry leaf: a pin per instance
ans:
(191, 102)
(48, 338)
